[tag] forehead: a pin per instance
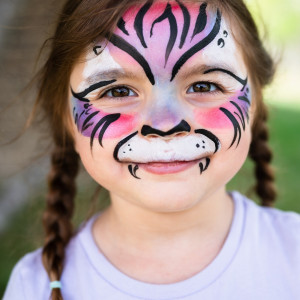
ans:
(167, 38)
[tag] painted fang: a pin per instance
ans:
(159, 42)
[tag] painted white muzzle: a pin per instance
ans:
(138, 149)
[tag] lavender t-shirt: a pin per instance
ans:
(259, 260)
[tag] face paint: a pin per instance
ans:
(149, 22)
(236, 110)
(163, 40)
(94, 123)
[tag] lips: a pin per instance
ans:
(162, 168)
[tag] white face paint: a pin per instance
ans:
(224, 50)
(96, 65)
(187, 148)
(129, 86)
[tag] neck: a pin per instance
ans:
(135, 226)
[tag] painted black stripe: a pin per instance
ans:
(246, 113)
(199, 46)
(201, 20)
(133, 171)
(236, 125)
(221, 43)
(122, 26)
(183, 126)
(97, 49)
(107, 120)
(121, 143)
(243, 98)
(207, 163)
(240, 80)
(241, 113)
(211, 136)
(186, 23)
(125, 46)
(85, 125)
(80, 96)
(88, 111)
(167, 14)
(81, 114)
(139, 20)
(76, 119)
(238, 115)
(201, 167)
(79, 119)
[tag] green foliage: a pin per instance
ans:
(280, 17)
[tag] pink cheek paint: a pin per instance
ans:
(211, 118)
(123, 126)
(94, 123)
(215, 118)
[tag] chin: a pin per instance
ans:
(167, 195)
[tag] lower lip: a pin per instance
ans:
(167, 167)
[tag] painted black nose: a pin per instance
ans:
(183, 126)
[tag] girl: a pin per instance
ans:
(162, 101)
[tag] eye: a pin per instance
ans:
(119, 92)
(202, 87)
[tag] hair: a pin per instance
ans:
(80, 23)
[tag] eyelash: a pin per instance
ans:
(104, 93)
(218, 87)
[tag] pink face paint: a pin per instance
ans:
(215, 118)
(159, 39)
(95, 123)
(170, 27)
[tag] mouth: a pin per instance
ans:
(171, 167)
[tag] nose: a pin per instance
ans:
(182, 127)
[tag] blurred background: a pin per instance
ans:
(24, 25)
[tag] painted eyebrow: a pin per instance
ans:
(110, 74)
(199, 46)
(134, 53)
(113, 73)
(240, 80)
(202, 69)
(91, 88)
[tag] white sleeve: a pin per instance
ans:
(14, 289)
(28, 279)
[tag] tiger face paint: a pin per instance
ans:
(168, 94)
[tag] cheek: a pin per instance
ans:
(215, 118)
(124, 125)
(211, 118)
(90, 121)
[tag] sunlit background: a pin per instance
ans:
(24, 24)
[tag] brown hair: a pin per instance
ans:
(82, 22)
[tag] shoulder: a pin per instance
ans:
(28, 278)
(271, 227)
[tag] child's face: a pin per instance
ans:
(162, 111)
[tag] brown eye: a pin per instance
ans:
(202, 87)
(119, 92)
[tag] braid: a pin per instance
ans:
(59, 210)
(261, 154)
